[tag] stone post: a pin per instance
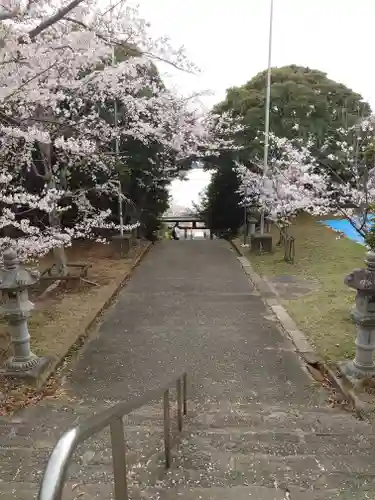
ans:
(260, 242)
(14, 283)
(252, 225)
(136, 233)
(122, 244)
(363, 280)
(267, 224)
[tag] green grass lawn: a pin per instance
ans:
(322, 314)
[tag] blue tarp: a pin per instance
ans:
(345, 227)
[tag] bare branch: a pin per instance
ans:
(13, 60)
(60, 14)
(13, 121)
(9, 14)
(112, 7)
(123, 45)
(174, 65)
(30, 80)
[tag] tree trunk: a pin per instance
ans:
(59, 254)
(46, 149)
(60, 260)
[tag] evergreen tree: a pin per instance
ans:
(220, 203)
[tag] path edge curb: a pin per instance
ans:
(56, 361)
(300, 341)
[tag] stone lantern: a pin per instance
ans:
(254, 212)
(363, 280)
(252, 225)
(14, 283)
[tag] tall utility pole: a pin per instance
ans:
(117, 151)
(267, 112)
(246, 222)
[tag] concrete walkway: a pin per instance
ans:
(190, 305)
(256, 418)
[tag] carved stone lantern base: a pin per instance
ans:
(29, 370)
(353, 372)
(363, 281)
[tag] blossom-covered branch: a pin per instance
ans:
(340, 183)
(292, 183)
(59, 90)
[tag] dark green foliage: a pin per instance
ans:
(301, 95)
(305, 104)
(220, 204)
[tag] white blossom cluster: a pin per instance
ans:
(297, 180)
(58, 85)
(291, 184)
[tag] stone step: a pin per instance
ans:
(141, 474)
(71, 412)
(277, 443)
(224, 446)
(45, 438)
(244, 493)
(73, 491)
(193, 466)
(87, 491)
(93, 458)
(280, 418)
(41, 426)
(59, 416)
(259, 416)
(74, 411)
(28, 439)
(272, 429)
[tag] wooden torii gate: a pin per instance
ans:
(192, 220)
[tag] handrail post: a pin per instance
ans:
(119, 459)
(55, 473)
(184, 392)
(179, 403)
(167, 430)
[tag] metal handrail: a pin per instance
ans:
(56, 470)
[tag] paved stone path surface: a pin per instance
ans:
(258, 427)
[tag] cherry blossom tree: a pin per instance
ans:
(59, 84)
(292, 184)
(352, 187)
(299, 181)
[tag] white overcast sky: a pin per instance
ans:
(228, 40)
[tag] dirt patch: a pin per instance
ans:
(64, 315)
(291, 287)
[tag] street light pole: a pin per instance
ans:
(121, 216)
(246, 225)
(267, 112)
(117, 148)
(118, 188)
(117, 151)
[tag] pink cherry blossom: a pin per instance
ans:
(58, 85)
